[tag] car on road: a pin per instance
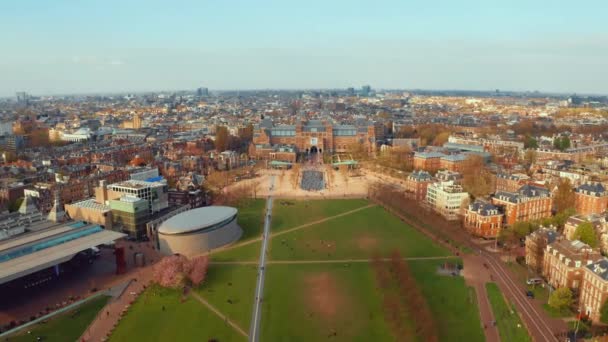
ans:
(530, 294)
(534, 281)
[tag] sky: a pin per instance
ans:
(94, 46)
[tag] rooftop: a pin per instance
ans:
(197, 219)
(136, 184)
(32, 252)
(91, 204)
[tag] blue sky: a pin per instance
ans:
(84, 46)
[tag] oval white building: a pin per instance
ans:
(199, 230)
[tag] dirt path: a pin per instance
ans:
(218, 313)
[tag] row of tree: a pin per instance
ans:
(403, 300)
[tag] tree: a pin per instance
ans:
(559, 220)
(476, 180)
(441, 138)
(358, 151)
(564, 195)
(221, 138)
(522, 228)
(530, 142)
(604, 312)
(530, 157)
(561, 298)
(561, 143)
(177, 271)
(198, 270)
(586, 233)
(171, 271)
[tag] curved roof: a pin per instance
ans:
(196, 219)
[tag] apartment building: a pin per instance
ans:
(446, 198)
(453, 162)
(528, 203)
(428, 161)
(483, 219)
(594, 290)
(563, 262)
(510, 182)
(536, 244)
(591, 198)
(416, 185)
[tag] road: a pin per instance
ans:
(254, 330)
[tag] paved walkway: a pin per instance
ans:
(108, 318)
(259, 289)
(477, 276)
(218, 313)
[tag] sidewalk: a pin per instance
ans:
(477, 276)
(101, 327)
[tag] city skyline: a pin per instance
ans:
(77, 48)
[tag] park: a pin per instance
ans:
(320, 282)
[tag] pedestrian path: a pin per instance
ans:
(108, 318)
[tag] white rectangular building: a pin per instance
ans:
(446, 198)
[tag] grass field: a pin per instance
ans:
(452, 302)
(179, 321)
(357, 235)
(292, 213)
(509, 324)
(67, 326)
(251, 218)
(230, 289)
(249, 252)
(309, 301)
(348, 303)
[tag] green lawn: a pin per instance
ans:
(250, 252)
(510, 326)
(311, 302)
(358, 235)
(251, 218)
(452, 302)
(292, 213)
(230, 289)
(67, 326)
(179, 321)
(327, 298)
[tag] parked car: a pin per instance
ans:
(530, 294)
(534, 281)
